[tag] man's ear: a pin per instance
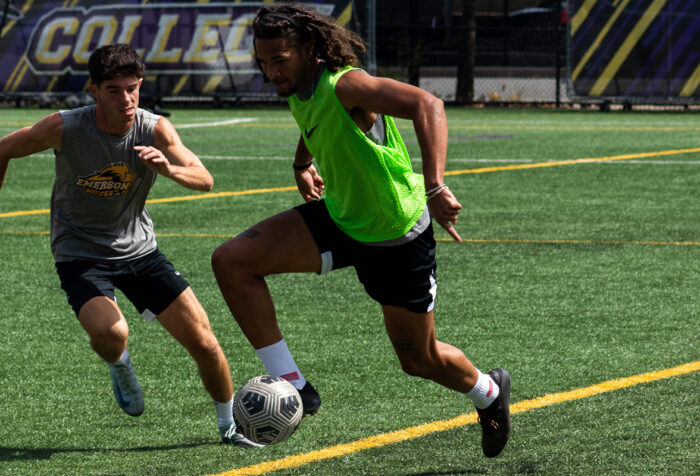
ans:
(92, 89)
(307, 49)
(257, 61)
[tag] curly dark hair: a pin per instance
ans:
(337, 46)
(114, 61)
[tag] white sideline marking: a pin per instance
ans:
(418, 159)
(245, 157)
(461, 159)
(217, 123)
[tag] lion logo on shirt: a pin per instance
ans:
(115, 179)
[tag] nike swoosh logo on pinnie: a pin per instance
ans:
(310, 131)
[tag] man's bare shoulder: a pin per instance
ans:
(48, 131)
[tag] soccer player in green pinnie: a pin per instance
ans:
(376, 214)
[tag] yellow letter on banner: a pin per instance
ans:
(206, 35)
(69, 25)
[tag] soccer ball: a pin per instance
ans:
(267, 409)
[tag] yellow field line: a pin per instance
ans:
(221, 194)
(572, 162)
(574, 242)
(22, 233)
(447, 240)
(461, 420)
(171, 199)
(505, 128)
(24, 213)
(452, 172)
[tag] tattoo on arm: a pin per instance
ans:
(251, 233)
(404, 345)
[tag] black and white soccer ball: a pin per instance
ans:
(267, 409)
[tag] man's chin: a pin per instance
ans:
(284, 92)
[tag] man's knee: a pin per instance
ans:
(109, 341)
(411, 368)
(227, 259)
(220, 258)
(206, 348)
(417, 365)
(421, 365)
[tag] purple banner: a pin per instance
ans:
(643, 49)
(188, 48)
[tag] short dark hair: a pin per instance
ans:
(114, 61)
(336, 45)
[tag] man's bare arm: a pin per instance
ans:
(45, 134)
(172, 159)
(360, 91)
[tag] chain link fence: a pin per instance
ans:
(515, 51)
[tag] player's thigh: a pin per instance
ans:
(410, 332)
(186, 320)
(279, 244)
(101, 318)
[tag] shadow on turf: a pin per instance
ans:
(446, 473)
(524, 468)
(19, 454)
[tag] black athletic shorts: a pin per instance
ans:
(402, 275)
(151, 282)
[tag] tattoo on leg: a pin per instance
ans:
(251, 233)
(404, 345)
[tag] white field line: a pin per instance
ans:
(449, 160)
(289, 157)
(217, 123)
(465, 159)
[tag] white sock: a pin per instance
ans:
(122, 360)
(484, 392)
(125, 357)
(224, 411)
(279, 363)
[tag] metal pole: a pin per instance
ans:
(372, 37)
(466, 54)
(557, 59)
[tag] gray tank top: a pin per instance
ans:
(99, 195)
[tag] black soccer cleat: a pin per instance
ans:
(310, 399)
(495, 419)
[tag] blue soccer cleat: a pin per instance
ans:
(126, 388)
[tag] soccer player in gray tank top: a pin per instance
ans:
(108, 156)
